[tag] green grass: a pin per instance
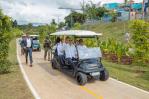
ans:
(115, 30)
(12, 85)
(132, 74)
(127, 73)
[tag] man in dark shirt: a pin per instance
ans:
(47, 48)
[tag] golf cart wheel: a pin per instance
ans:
(53, 65)
(81, 78)
(104, 75)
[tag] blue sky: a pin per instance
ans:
(41, 11)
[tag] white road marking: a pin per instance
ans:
(130, 86)
(35, 94)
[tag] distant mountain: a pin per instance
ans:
(34, 24)
(38, 24)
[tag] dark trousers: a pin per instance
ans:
(29, 52)
(61, 59)
(47, 52)
(22, 51)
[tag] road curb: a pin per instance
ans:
(32, 89)
(129, 85)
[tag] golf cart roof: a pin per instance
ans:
(76, 33)
(34, 35)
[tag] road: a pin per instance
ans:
(52, 84)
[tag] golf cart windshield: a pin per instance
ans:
(36, 41)
(89, 53)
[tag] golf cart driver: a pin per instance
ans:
(88, 65)
(70, 53)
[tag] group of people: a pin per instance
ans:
(67, 50)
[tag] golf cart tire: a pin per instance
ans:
(81, 78)
(104, 75)
(53, 64)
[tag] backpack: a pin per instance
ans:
(47, 43)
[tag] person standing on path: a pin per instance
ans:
(47, 48)
(28, 43)
(22, 45)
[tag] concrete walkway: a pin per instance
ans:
(52, 84)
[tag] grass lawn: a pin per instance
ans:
(12, 85)
(130, 74)
(127, 73)
(115, 30)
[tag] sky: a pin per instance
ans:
(41, 11)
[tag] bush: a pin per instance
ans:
(5, 37)
(4, 66)
(140, 36)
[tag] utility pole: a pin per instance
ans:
(143, 6)
(83, 8)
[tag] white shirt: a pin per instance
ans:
(70, 51)
(29, 42)
(60, 48)
(81, 46)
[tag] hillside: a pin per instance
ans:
(115, 30)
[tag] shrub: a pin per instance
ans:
(140, 36)
(5, 37)
(4, 66)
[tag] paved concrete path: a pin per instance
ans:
(52, 84)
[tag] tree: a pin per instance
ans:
(52, 28)
(5, 37)
(94, 12)
(61, 25)
(30, 25)
(77, 26)
(15, 23)
(140, 36)
(114, 15)
(53, 22)
(75, 17)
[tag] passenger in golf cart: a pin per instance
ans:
(59, 50)
(66, 52)
(81, 44)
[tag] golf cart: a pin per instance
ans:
(88, 64)
(36, 43)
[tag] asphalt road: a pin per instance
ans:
(52, 84)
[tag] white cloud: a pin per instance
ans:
(39, 11)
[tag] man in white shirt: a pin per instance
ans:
(70, 52)
(59, 50)
(28, 47)
(81, 44)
